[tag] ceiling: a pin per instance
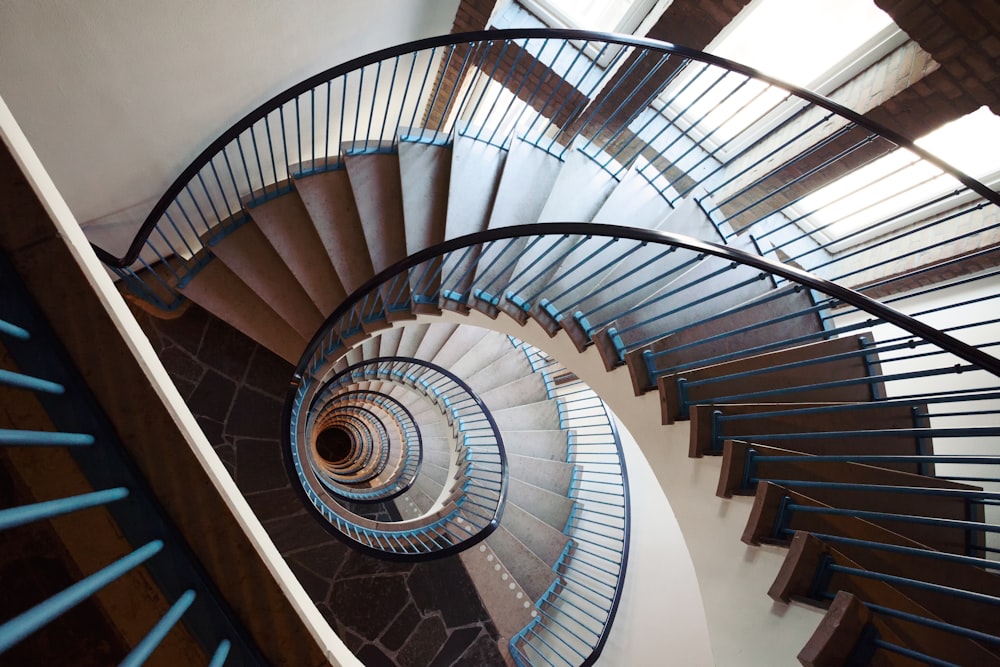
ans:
(118, 96)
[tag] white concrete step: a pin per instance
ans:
(388, 342)
(509, 366)
(424, 171)
(540, 415)
(461, 340)
(249, 255)
(524, 389)
(579, 192)
(554, 476)
(487, 349)
(377, 194)
(221, 292)
(546, 542)
(426, 339)
(529, 571)
(289, 228)
(330, 202)
(540, 444)
(634, 203)
(552, 508)
(475, 176)
(525, 184)
(505, 601)
(624, 286)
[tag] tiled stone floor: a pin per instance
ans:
(412, 615)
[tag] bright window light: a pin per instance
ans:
(598, 13)
(793, 40)
(901, 181)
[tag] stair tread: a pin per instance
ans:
(249, 255)
(375, 182)
(424, 171)
(525, 182)
(552, 508)
(579, 190)
(217, 289)
(288, 226)
(530, 572)
(525, 389)
(330, 202)
(554, 476)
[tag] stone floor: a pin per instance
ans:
(407, 614)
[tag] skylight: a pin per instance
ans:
(901, 181)
(800, 42)
(608, 15)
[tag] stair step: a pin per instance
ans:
(221, 292)
(249, 255)
(552, 508)
(425, 344)
(623, 285)
(579, 191)
(388, 342)
(806, 418)
(475, 174)
(554, 476)
(505, 601)
(424, 173)
(544, 541)
(809, 551)
(540, 444)
(461, 340)
(781, 381)
(330, 202)
(529, 416)
(525, 183)
(634, 203)
(799, 570)
(707, 339)
(709, 287)
(287, 224)
(530, 572)
(761, 524)
(488, 349)
(525, 389)
(375, 182)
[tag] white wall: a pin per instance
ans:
(118, 97)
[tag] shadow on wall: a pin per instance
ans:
(409, 614)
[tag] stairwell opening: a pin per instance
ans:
(335, 445)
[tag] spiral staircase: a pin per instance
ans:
(503, 179)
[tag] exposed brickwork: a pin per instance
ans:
(962, 35)
(471, 15)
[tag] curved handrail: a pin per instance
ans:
(799, 276)
(186, 177)
(300, 406)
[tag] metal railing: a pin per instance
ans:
(152, 541)
(642, 112)
(464, 513)
(577, 611)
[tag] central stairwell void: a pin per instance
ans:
(511, 179)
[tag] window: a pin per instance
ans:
(816, 45)
(901, 181)
(605, 15)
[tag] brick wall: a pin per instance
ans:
(964, 37)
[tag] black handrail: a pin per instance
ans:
(844, 294)
(203, 158)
